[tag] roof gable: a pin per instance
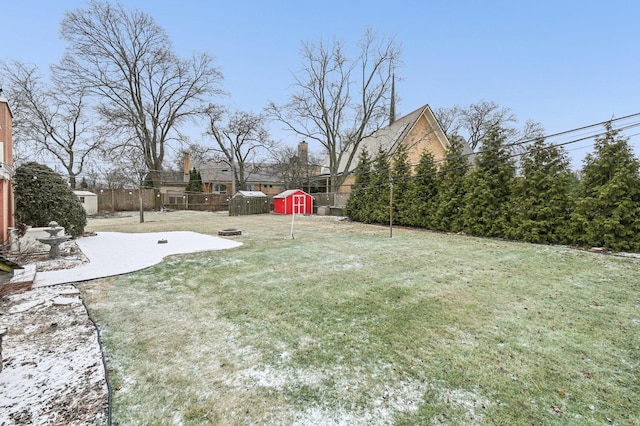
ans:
(389, 138)
(289, 192)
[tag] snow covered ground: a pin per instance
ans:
(52, 366)
(115, 253)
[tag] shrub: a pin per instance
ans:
(42, 196)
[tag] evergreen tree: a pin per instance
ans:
(84, 184)
(195, 182)
(42, 196)
(357, 208)
(608, 211)
(424, 192)
(543, 196)
(487, 202)
(450, 202)
(378, 194)
(402, 182)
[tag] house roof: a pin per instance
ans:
(216, 171)
(389, 138)
(174, 177)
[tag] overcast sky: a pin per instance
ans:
(565, 64)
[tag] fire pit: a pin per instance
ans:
(229, 232)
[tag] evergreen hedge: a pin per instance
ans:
(538, 200)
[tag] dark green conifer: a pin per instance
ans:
(608, 211)
(489, 186)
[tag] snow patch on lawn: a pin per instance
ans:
(116, 253)
(381, 404)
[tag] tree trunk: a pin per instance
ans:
(141, 205)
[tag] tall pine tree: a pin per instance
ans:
(424, 192)
(543, 196)
(487, 202)
(402, 181)
(450, 204)
(195, 182)
(378, 194)
(358, 207)
(608, 211)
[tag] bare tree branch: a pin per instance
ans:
(475, 121)
(239, 141)
(145, 91)
(53, 116)
(327, 109)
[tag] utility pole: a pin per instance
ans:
(390, 206)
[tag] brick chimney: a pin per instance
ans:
(303, 153)
(187, 163)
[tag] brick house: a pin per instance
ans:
(6, 170)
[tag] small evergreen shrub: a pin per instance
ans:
(42, 196)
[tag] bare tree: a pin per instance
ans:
(52, 117)
(341, 101)
(449, 119)
(145, 92)
(131, 172)
(475, 121)
(241, 138)
(293, 168)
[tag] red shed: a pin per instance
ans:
(293, 201)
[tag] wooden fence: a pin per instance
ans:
(127, 200)
(242, 206)
(202, 202)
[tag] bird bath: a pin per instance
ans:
(54, 240)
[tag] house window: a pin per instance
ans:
(82, 200)
(251, 187)
(220, 189)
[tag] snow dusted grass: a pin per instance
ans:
(344, 325)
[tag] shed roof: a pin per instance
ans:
(250, 194)
(285, 194)
(83, 193)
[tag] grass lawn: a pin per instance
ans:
(344, 325)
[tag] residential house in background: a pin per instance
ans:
(217, 177)
(6, 170)
(419, 131)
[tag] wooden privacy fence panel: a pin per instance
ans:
(196, 201)
(243, 206)
(334, 199)
(123, 199)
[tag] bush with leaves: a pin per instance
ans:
(42, 196)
